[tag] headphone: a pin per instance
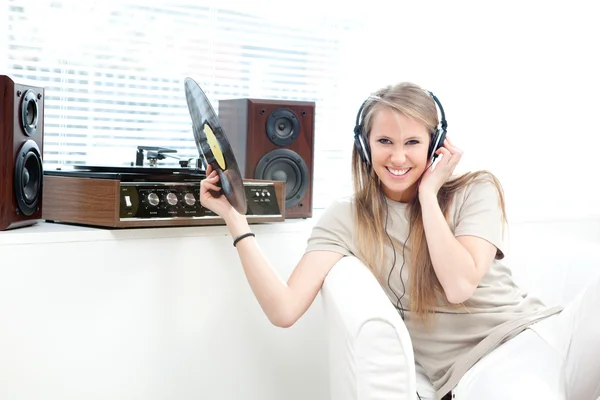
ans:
(362, 145)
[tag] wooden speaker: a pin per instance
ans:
(21, 149)
(274, 140)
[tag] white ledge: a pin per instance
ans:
(50, 232)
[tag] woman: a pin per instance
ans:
(435, 243)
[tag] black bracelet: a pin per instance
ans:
(245, 235)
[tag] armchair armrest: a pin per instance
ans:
(371, 355)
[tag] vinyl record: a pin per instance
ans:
(213, 145)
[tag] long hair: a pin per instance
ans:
(370, 202)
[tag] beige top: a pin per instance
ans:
(458, 337)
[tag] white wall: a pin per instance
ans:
(149, 314)
(519, 83)
(3, 37)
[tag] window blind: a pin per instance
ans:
(113, 72)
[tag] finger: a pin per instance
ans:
(453, 159)
(446, 154)
(208, 170)
(455, 151)
(209, 181)
(210, 186)
(213, 177)
(456, 157)
(438, 153)
(448, 144)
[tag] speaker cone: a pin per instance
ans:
(29, 112)
(282, 127)
(28, 178)
(285, 165)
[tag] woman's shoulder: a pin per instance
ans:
(477, 183)
(334, 228)
(478, 193)
(340, 206)
(338, 212)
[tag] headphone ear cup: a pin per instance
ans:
(367, 150)
(432, 144)
(442, 139)
(362, 146)
(436, 142)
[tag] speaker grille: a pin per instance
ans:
(285, 165)
(29, 113)
(282, 127)
(28, 178)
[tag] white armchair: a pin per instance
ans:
(370, 350)
(371, 354)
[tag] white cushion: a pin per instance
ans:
(371, 352)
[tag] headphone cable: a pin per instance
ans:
(398, 304)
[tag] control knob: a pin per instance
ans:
(153, 199)
(189, 199)
(171, 198)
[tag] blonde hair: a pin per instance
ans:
(370, 202)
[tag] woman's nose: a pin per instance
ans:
(398, 156)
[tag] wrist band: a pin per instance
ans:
(245, 235)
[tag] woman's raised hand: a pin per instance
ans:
(435, 176)
(215, 201)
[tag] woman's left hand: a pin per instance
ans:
(438, 174)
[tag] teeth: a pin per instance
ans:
(398, 172)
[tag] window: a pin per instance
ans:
(114, 71)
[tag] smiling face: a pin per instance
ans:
(399, 146)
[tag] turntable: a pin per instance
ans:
(139, 196)
(150, 196)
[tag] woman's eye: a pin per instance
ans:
(384, 141)
(412, 142)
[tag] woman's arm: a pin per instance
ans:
(283, 303)
(459, 263)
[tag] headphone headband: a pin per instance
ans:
(358, 122)
(442, 119)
